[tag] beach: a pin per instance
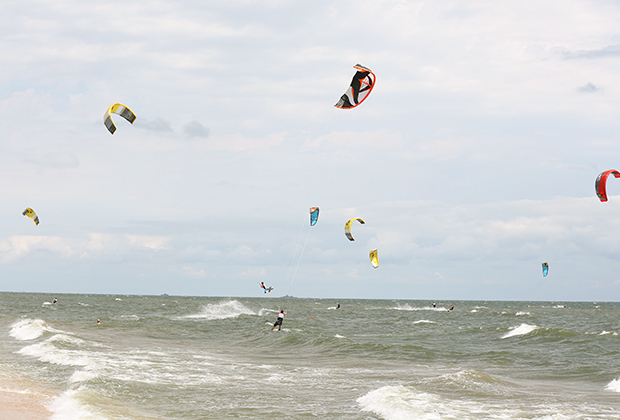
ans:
(19, 402)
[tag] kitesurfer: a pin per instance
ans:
(338, 306)
(451, 308)
(262, 286)
(434, 305)
(98, 322)
(55, 300)
(278, 323)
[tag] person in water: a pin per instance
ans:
(278, 323)
(338, 306)
(55, 300)
(434, 305)
(98, 322)
(451, 308)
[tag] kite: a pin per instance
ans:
(30, 213)
(601, 183)
(347, 227)
(374, 258)
(545, 268)
(361, 86)
(118, 109)
(314, 215)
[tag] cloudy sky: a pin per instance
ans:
(472, 161)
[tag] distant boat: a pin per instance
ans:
(164, 294)
(289, 296)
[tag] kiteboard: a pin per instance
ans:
(269, 289)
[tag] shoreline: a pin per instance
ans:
(20, 402)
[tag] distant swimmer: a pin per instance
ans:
(434, 305)
(55, 300)
(338, 306)
(451, 308)
(278, 323)
(98, 322)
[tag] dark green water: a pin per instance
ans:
(211, 358)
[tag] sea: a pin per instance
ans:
(182, 357)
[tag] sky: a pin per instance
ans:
(472, 161)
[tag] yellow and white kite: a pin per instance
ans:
(374, 258)
(30, 213)
(118, 109)
(347, 227)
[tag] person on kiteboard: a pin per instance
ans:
(278, 323)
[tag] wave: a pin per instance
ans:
(423, 308)
(613, 385)
(29, 329)
(68, 406)
(60, 349)
(399, 402)
(222, 310)
(424, 321)
(523, 313)
(522, 329)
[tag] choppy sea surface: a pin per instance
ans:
(170, 357)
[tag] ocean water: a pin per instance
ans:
(170, 357)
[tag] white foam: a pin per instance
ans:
(339, 336)
(82, 376)
(613, 385)
(522, 313)
(68, 407)
(520, 330)
(608, 333)
(405, 403)
(424, 321)
(222, 310)
(400, 403)
(51, 351)
(263, 311)
(29, 329)
(423, 308)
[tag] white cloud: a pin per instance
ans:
(193, 272)
(475, 148)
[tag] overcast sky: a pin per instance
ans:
(472, 161)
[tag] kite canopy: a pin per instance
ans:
(601, 183)
(314, 215)
(347, 227)
(545, 268)
(30, 213)
(374, 258)
(361, 86)
(118, 109)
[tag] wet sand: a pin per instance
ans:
(24, 404)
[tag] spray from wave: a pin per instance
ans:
(222, 310)
(520, 330)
